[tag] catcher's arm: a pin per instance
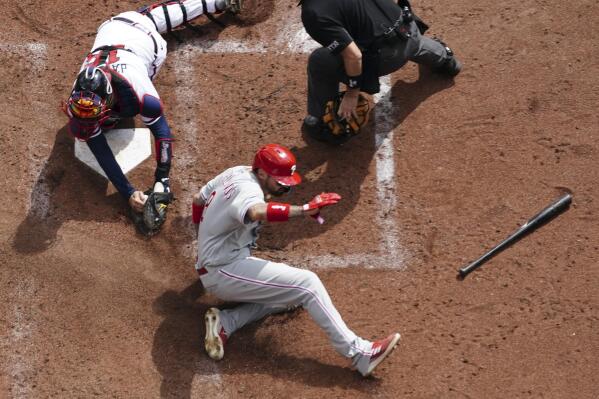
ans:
(281, 212)
(137, 201)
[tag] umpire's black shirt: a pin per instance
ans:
(336, 23)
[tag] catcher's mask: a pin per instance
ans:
(90, 101)
(279, 163)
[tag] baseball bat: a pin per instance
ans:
(535, 222)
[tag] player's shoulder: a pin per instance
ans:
(242, 179)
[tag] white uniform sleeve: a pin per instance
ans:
(248, 197)
(208, 189)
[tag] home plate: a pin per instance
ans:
(129, 146)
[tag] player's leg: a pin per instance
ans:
(169, 15)
(277, 286)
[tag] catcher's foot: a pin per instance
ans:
(162, 186)
(215, 335)
(232, 6)
(380, 350)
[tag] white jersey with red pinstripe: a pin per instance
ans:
(224, 234)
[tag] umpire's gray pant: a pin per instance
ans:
(326, 70)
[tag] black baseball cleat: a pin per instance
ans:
(314, 127)
(450, 67)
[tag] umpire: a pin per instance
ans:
(362, 40)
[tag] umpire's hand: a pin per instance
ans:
(347, 108)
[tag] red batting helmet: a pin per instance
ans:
(279, 163)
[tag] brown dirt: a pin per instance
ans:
(90, 308)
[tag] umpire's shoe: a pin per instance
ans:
(366, 364)
(215, 335)
(314, 127)
(451, 67)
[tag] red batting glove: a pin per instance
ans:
(322, 200)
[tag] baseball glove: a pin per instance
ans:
(153, 216)
(343, 129)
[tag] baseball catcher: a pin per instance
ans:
(229, 210)
(116, 81)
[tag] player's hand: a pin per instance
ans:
(320, 201)
(137, 201)
(348, 105)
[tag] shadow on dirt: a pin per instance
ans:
(178, 351)
(343, 169)
(65, 190)
(253, 13)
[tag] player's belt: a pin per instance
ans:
(202, 270)
(110, 48)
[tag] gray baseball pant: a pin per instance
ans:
(266, 287)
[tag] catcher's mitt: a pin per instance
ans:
(343, 129)
(153, 216)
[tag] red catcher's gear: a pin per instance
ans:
(279, 163)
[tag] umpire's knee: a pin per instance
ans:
(321, 61)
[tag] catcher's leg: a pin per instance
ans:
(276, 286)
(169, 15)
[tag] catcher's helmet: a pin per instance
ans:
(90, 100)
(279, 163)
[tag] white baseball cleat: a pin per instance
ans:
(380, 350)
(215, 335)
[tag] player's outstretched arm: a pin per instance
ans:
(281, 212)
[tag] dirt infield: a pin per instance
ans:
(446, 169)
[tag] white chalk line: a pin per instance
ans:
(184, 69)
(20, 340)
(19, 346)
(391, 256)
